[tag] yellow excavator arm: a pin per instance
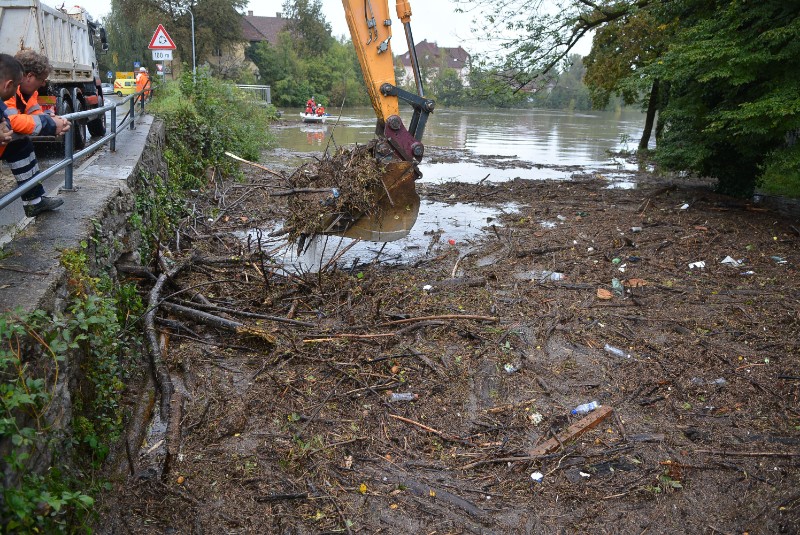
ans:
(398, 148)
(371, 30)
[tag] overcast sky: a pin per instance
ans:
(432, 20)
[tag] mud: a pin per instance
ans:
(302, 436)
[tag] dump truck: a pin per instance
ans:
(68, 37)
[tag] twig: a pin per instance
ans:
(219, 322)
(492, 319)
(431, 430)
(347, 336)
(268, 170)
(728, 453)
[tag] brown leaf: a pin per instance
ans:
(602, 293)
(635, 283)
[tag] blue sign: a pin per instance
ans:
(109, 75)
(136, 64)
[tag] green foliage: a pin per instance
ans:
(780, 172)
(131, 23)
(307, 24)
(333, 76)
(204, 119)
(619, 51)
(31, 350)
(36, 504)
(734, 89)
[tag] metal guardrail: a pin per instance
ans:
(70, 156)
(260, 92)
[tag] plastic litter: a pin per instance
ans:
(684, 206)
(585, 408)
(701, 264)
(616, 286)
(510, 368)
(732, 261)
(537, 477)
(636, 229)
(427, 288)
(331, 199)
(616, 351)
(747, 273)
(402, 396)
(778, 259)
(719, 381)
(536, 418)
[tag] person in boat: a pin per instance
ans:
(311, 106)
(320, 110)
(308, 110)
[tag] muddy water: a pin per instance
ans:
(468, 145)
(545, 139)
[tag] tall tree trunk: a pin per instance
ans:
(652, 106)
(663, 100)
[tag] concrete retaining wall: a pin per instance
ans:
(97, 213)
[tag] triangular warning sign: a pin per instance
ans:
(161, 40)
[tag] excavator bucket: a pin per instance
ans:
(395, 211)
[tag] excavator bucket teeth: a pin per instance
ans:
(395, 211)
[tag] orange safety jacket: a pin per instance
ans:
(141, 81)
(27, 118)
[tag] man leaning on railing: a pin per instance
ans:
(20, 79)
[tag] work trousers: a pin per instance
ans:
(21, 158)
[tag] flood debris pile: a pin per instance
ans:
(439, 397)
(333, 190)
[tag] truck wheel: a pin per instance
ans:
(119, 93)
(97, 126)
(78, 127)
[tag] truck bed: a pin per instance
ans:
(65, 40)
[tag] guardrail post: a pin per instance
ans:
(113, 144)
(69, 140)
(133, 113)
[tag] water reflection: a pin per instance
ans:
(439, 226)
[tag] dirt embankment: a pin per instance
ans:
(701, 374)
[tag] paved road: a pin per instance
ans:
(12, 218)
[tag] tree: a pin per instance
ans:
(308, 26)
(734, 101)
(621, 48)
(131, 24)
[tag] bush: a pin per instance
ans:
(205, 118)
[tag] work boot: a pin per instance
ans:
(44, 205)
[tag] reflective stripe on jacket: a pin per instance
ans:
(27, 117)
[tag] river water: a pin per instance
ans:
(497, 145)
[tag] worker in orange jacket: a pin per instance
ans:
(26, 118)
(141, 82)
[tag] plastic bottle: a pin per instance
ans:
(615, 351)
(402, 396)
(585, 408)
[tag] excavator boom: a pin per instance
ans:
(398, 148)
